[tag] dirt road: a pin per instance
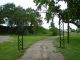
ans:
(42, 50)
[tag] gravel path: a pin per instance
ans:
(5, 38)
(42, 50)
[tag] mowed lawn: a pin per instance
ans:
(72, 50)
(9, 50)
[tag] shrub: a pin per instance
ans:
(54, 31)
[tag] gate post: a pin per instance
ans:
(61, 33)
(20, 37)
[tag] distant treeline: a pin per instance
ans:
(27, 30)
(15, 30)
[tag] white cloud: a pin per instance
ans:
(63, 5)
(23, 3)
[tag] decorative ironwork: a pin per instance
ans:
(20, 37)
(61, 33)
(20, 42)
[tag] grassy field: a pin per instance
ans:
(9, 50)
(72, 50)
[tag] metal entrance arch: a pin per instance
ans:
(61, 34)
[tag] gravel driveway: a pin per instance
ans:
(42, 50)
(4, 38)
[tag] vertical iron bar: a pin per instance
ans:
(22, 36)
(68, 33)
(18, 41)
(18, 33)
(63, 37)
(59, 32)
(22, 42)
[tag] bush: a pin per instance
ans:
(54, 31)
(42, 31)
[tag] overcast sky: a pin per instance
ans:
(29, 3)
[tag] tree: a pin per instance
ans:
(74, 11)
(52, 9)
(18, 16)
(34, 18)
(6, 12)
(1, 15)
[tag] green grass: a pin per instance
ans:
(9, 50)
(72, 50)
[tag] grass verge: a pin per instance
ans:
(72, 50)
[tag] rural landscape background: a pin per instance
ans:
(34, 29)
